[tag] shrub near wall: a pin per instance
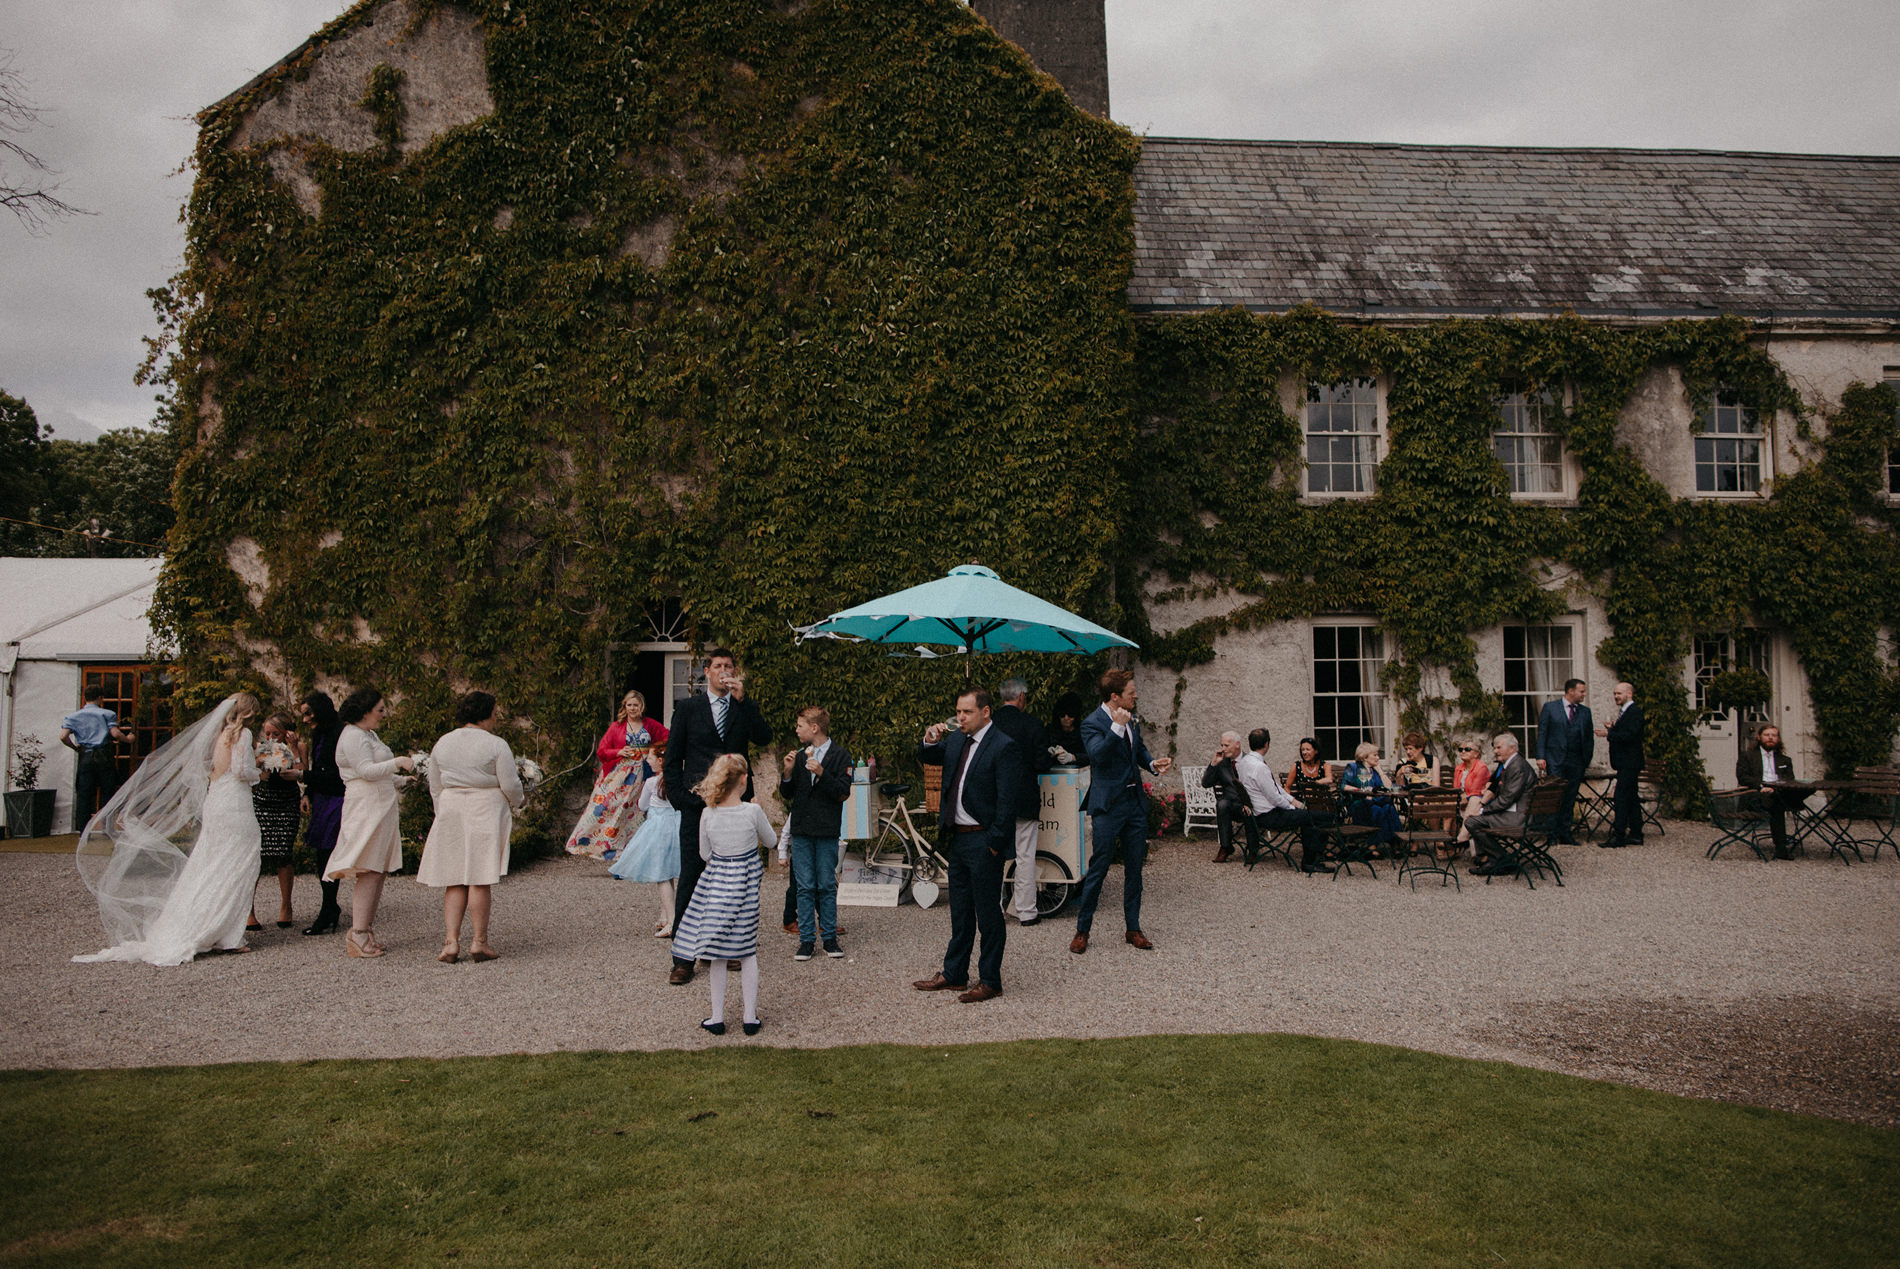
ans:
(477, 424)
(1441, 550)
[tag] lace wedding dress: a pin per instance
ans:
(161, 903)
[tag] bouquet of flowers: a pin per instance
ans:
(531, 774)
(275, 755)
(422, 764)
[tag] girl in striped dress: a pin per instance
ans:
(722, 919)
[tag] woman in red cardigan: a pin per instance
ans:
(627, 754)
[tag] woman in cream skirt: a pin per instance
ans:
(473, 780)
(369, 840)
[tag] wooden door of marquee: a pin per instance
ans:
(141, 695)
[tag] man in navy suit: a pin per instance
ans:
(976, 827)
(1565, 744)
(1625, 735)
(1117, 805)
(719, 722)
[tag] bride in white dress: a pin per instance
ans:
(184, 848)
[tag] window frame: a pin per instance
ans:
(1890, 375)
(1375, 437)
(144, 679)
(1710, 416)
(1524, 720)
(1545, 402)
(1759, 642)
(1378, 728)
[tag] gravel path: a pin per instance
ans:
(1770, 984)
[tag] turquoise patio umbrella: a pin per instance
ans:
(973, 610)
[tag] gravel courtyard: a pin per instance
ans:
(1771, 984)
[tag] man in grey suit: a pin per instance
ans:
(1506, 800)
(1565, 745)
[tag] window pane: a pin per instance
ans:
(1537, 661)
(1348, 708)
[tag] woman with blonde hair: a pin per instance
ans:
(721, 922)
(628, 754)
(369, 839)
(163, 902)
(476, 789)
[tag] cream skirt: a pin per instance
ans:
(369, 839)
(468, 844)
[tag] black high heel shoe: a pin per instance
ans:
(325, 923)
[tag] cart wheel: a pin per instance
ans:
(1051, 895)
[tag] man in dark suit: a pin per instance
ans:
(1506, 802)
(1231, 804)
(719, 721)
(1565, 746)
(1763, 766)
(1625, 735)
(982, 778)
(1027, 734)
(1117, 806)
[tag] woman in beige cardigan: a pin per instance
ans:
(369, 842)
(476, 788)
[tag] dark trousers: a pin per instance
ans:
(1561, 825)
(1776, 803)
(976, 878)
(98, 780)
(1627, 824)
(1124, 825)
(791, 901)
(691, 865)
(1312, 837)
(1229, 812)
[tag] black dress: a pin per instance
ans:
(275, 800)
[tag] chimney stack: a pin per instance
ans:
(1066, 38)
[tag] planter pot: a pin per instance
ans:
(30, 813)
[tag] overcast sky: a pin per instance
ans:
(121, 79)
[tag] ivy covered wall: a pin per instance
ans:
(767, 307)
(1442, 551)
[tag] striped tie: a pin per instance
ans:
(720, 705)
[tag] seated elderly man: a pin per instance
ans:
(1274, 808)
(1231, 804)
(1506, 801)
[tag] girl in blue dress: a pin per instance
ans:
(652, 855)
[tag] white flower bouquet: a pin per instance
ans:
(275, 755)
(531, 774)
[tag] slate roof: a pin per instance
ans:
(1394, 230)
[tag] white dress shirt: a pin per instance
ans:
(962, 816)
(1263, 787)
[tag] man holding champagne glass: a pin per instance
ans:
(718, 721)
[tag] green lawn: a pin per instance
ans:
(1124, 1152)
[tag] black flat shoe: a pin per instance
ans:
(712, 1028)
(255, 925)
(751, 1028)
(285, 925)
(324, 925)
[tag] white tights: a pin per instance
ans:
(748, 988)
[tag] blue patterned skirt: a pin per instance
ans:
(722, 920)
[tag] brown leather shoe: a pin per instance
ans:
(979, 993)
(681, 975)
(1137, 939)
(937, 982)
(791, 927)
(1079, 944)
(1224, 854)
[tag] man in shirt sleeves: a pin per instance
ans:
(1117, 805)
(982, 778)
(1274, 808)
(90, 732)
(1565, 746)
(1625, 735)
(719, 721)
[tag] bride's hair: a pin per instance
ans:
(244, 708)
(727, 770)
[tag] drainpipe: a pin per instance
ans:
(9, 659)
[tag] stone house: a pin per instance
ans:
(1383, 237)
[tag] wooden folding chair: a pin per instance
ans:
(1419, 843)
(1527, 850)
